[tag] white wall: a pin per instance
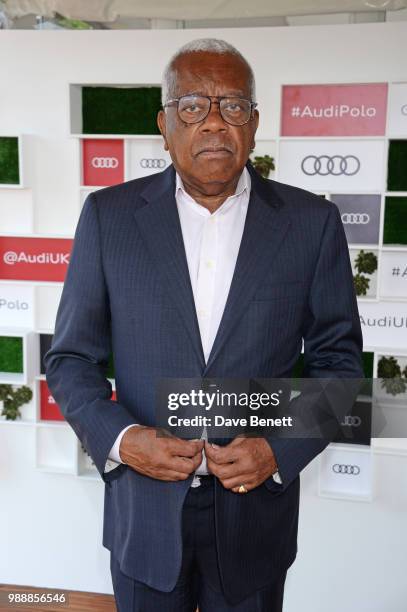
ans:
(351, 554)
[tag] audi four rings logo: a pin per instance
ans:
(105, 162)
(352, 421)
(404, 109)
(355, 218)
(152, 162)
(339, 468)
(336, 165)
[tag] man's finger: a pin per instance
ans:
(237, 489)
(238, 440)
(184, 448)
(224, 470)
(197, 460)
(171, 475)
(223, 454)
(185, 465)
(248, 480)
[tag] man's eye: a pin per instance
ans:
(192, 108)
(233, 107)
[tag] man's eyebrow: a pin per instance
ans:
(237, 92)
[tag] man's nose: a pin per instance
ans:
(214, 120)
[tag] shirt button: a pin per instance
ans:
(210, 263)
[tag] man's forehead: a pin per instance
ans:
(204, 62)
(200, 68)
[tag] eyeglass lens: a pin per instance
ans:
(235, 111)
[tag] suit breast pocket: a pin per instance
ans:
(284, 290)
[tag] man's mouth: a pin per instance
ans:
(214, 152)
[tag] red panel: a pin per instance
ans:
(114, 396)
(334, 110)
(34, 259)
(103, 162)
(49, 409)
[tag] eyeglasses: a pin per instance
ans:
(233, 110)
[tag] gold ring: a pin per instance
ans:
(242, 489)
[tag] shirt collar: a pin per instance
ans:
(243, 185)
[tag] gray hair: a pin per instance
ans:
(212, 45)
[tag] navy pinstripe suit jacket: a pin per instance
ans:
(127, 290)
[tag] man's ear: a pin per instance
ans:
(256, 123)
(256, 119)
(162, 126)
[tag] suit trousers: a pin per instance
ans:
(199, 582)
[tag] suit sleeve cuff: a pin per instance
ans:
(114, 456)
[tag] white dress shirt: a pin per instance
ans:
(212, 242)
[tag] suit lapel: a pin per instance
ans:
(159, 224)
(265, 228)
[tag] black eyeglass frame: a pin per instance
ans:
(210, 98)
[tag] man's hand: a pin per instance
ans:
(247, 461)
(161, 457)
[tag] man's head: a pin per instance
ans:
(209, 154)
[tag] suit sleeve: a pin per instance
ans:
(76, 364)
(332, 340)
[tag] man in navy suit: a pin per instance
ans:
(205, 270)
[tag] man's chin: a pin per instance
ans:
(216, 173)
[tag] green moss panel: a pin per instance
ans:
(395, 221)
(397, 166)
(11, 354)
(120, 110)
(9, 168)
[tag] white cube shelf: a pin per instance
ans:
(346, 472)
(17, 305)
(56, 448)
(390, 446)
(47, 298)
(393, 274)
(17, 214)
(144, 156)
(366, 164)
